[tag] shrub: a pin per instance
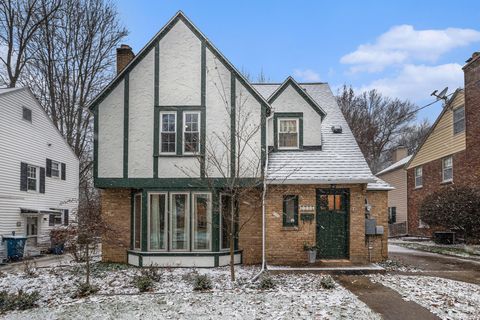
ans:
(29, 268)
(266, 282)
(327, 282)
(19, 301)
(84, 290)
(152, 272)
(143, 283)
(453, 207)
(202, 282)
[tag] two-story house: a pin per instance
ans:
(450, 153)
(179, 124)
(38, 171)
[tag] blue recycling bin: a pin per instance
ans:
(15, 247)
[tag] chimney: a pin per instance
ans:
(472, 113)
(399, 153)
(124, 56)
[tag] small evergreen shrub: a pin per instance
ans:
(327, 282)
(266, 282)
(143, 283)
(18, 301)
(84, 290)
(202, 283)
(152, 272)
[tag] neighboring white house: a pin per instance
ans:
(38, 171)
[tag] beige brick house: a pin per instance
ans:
(179, 126)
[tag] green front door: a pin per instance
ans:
(332, 223)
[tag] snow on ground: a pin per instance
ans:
(446, 298)
(298, 296)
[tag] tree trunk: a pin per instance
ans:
(87, 257)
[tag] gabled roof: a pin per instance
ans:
(7, 90)
(432, 128)
(301, 92)
(180, 16)
(399, 164)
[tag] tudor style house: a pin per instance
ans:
(450, 153)
(179, 125)
(38, 171)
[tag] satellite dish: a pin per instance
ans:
(441, 95)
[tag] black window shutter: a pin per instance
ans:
(51, 220)
(65, 217)
(42, 180)
(49, 167)
(64, 171)
(23, 176)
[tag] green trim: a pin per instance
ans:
(140, 261)
(278, 115)
(216, 220)
(301, 92)
(132, 217)
(183, 108)
(144, 233)
(170, 183)
(233, 103)
(295, 211)
(179, 130)
(160, 155)
(181, 253)
(126, 101)
(156, 113)
(95, 142)
(203, 89)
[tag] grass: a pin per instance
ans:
(450, 251)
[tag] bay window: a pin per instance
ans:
(202, 221)
(179, 222)
(157, 221)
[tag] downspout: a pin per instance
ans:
(264, 193)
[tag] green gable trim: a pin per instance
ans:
(172, 183)
(233, 102)
(126, 101)
(278, 115)
(156, 114)
(95, 142)
(301, 92)
(203, 89)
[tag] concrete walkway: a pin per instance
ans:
(39, 262)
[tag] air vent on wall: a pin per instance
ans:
(337, 129)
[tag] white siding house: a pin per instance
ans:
(38, 171)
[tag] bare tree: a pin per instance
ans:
(376, 122)
(414, 136)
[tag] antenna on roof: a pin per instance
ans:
(441, 95)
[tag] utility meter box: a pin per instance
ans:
(379, 230)
(370, 226)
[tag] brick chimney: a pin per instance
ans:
(124, 56)
(399, 153)
(472, 113)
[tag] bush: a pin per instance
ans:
(202, 282)
(327, 282)
(84, 290)
(143, 283)
(453, 207)
(152, 272)
(266, 282)
(19, 301)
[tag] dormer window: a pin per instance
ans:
(288, 133)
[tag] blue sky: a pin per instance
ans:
(405, 49)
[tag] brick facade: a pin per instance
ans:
(250, 235)
(116, 214)
(472, 116)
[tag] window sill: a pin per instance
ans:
(177, 155)
(446, 182)
(419, 187)
(290, 228)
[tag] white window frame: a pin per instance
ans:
(297, 120)
(187, 221)
(446, 168)
(416, 175)
(161, 130)
(59, 169)
(462, 120)
(165, 237)
(199, 131)
(209, 219)
(134, 226)
(37, 178)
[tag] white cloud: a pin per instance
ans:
(306, 75)
(403, 44)
(417, 82)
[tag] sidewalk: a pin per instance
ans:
(42, 261)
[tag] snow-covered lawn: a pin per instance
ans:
(295, 296)
(446, 298)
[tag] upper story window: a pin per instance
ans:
(32, 178)
(288, 133)
(418, 177)
(27, 114)
(168, 132)
(191, 132)
(447, 169)
(458, 120)
(55, 169)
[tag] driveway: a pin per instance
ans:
(433, 264)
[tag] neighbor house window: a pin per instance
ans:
(157, 221)
(55, 219)
(32, 178)
(191, 132)
(55, 169)
(288, 136)
(290, 211)
(202, 221)
(458, 120)
(137, 221)
(168, 132)
(447, 169)
(27, 114)
(392, 215)
(225, 220)
(179, 221)
(418, 177)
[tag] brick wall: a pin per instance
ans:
(124, 56)
(472, 116)
(116, 214)
(379, 244)
(250, 236)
